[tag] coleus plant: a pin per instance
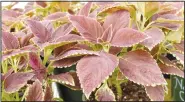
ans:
(109, 42)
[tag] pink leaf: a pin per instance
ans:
(63, 78)
(73, 53)
(107, 34)
(85, 9)
(93, 70)
(55, 16)
(9, 41)
(89, 28)
(180, 46)
(104, 93)
(63, 48)
(170, 26)
(25, 40)
(156, 36)
(179, 56)
(115, 50)
(42, 4)
(139, 67)
(155, 93)
(35, 61)
(20, 51)
(16, 81)
(49, 26)
(4, 76)
(127, 37)
(119, 19)
(171, 70)
(39, 30)
(62, 30)
(48, 96)
(66, 62)
(166, 61)
(35, 92)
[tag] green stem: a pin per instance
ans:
(134, 47)
(119, 90)
(26, 91)
(17, 96)
(47, 53)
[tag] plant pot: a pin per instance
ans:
(66, 93)
(177, 88)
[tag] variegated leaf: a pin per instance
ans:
(85, 10)
(180, 46)
(70, 38)
(63, 48)
(127, 37)
(107, 34)
(9, 41)
(115, 50)
(155, 93)
(166, 61)
(49, 26)
(55, 16)
(63, 78)
(4, 76)
(16, 81)
(20, 51)
(93, 70)
(61, 31)
(35, 92)
(34, 61)
(25, 40)
(171, 70)
(104, 93)
(48, 94)
(170, 26)
(39, 30)
(42, 4)
(156, 36)
(89, 28)
(66, 62)
(76, 81)
(146, 71)
(119, 19)
(179, 56)
(73, 53)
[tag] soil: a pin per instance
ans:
(131, 92)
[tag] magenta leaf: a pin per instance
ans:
(126, 37)
(66, 62)
(36, 64)
(39, 30)
(171, 70)
(25, 40)
(34, 61)
(89, 28)
(85, 9)
(10, 41)
(63, 78)
(146, 71)
(155, 93)
(55, 16)
(156, 36)
(62, 30)
(115, 50)
(48, 94)
(49, 26)
(16, 81)
(35, 92)
(104, 93)
(119, 19)
(93, 70)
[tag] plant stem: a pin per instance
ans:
(17, 96)
(47, 53)
(119, 90)
(26, 91)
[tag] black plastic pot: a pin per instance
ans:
(66, 93)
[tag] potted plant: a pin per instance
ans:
(114, 51)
